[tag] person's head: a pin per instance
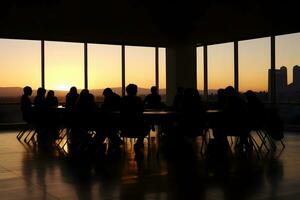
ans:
(41, 92)
(107, 92)
(50, 94)
(84, 93)
(230, 91)
(27, 90)
(73, 90)
(250, 95)
(131, 89)
(154, 90)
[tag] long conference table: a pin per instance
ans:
(156, 116)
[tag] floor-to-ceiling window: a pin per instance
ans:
(200, 68)
(64, 66)
(220, 67)
(254, 63)
(140, 67)
(162, 73)
(20, 66)
(104, 69)
(287, 54)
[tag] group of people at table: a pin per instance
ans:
(237, 114)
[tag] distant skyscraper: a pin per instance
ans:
(296, 76)
(280, 79)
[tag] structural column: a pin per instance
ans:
(85, 66)
(43, 63)
(157, 67)
(205, 73)
(272, 94)
(123, 70)
(236, 66)
(181, 69)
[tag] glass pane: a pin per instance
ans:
(162, 73)
(220, 66)
(64, 65)
(288, 53)
(104, 68)
(288, 78)
(254, 63)
(200, 68)
(20, 65)
(140, 67)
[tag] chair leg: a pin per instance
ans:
(282, 143)
(29, 132)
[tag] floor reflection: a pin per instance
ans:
(175, 171)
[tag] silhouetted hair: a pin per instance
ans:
(153, 89)
(73, 90)
(50, 93)
(107, 91)
(41, 92)
(27, 90)
(131, 89)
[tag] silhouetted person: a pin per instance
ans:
(52, 115)
(256, 110)
(233, 119)
(153, 100)
(41, 117)
(51, 99)
(84, 120)
(26, 105)
(193, 112)
(132, 108)
(111, 100)
(39, 100)
(110, 124)
(178, 99)
(71, 99)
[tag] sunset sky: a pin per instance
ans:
(20, 64)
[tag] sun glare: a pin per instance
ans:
(63, 87)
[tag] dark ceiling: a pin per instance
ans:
(149, 23)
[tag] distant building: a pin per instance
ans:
(280, 78)
(285, 91)
(296, 76)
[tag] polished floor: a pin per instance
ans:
(28, 173)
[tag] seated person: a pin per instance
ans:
(84, 120)
(110, 125)
(71, 99)
(26, 105)
(193, 113)
(111, 100)
(51, 115)
(178, 99)
(256, 110)
(39, 100)
(153, 100)
(51, 99)
(232, 120)
(40, 116)
(131, 112)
